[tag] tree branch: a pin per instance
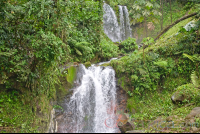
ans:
(177, 21)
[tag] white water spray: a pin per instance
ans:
(92, 103)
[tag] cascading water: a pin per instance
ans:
(127, 24)
(91, 107)
(112, 29)
(122, 23)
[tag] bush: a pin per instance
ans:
(128, 45)
(109, 49)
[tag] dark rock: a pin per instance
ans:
(126, 127)
(178, 97)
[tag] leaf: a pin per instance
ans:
(162, 64)
(189, 56)
(195, 80)
(78, 52)
(142, 71)
(134, 77)
(148, 4)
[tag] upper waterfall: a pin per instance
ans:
(112, 29)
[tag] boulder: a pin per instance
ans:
(126, 127)
(178, 97)
(124, 124)
(195, 111)
(184, 94)
(190, 118)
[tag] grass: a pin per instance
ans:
(154, 105)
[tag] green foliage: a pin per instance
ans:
(20, 113)
(143, 8)
(195, 74)
(109, 49)
(128, 45)
(147, 41)
(150, 106)
(161, 61)
(154, 105)
(190, 92)
(195, 79)
(37, 38)
(58, 107)
(130, 94)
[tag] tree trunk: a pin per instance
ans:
(177, 21)
(171, 9)
(161, 10)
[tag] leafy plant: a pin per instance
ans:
(58, 107)
(146, 42)
(128, 45)
(195, 77)
(130, 94)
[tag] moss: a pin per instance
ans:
(87, 64)
(105, 64)
(71, 74)
(189, 92)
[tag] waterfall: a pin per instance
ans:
(112, 29)
(127, 24)
(122, 23)
(91, 107)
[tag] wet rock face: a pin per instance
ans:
(121, 99)
(121, 107)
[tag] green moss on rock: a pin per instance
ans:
(71, 74)
(186, 93)
(87, 64)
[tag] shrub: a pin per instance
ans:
(128, 45)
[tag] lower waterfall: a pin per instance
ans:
(91, 108)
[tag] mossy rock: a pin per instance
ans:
(105, 64)
(185, 93)
(71, 75)
(87, 64)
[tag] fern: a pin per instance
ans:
(142, 71)
(195, 79)
(78, 52)
(192, 58)
(81, 47)
(162, 64)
